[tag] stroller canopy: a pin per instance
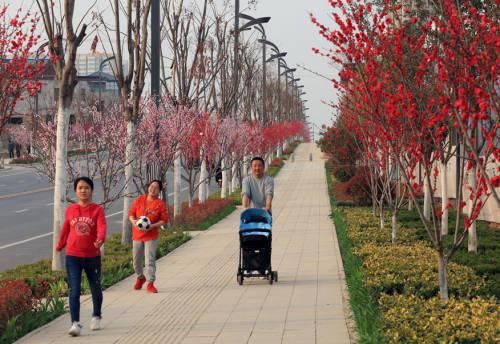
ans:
(255, 218)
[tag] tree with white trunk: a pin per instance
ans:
(63, 43)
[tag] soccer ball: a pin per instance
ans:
(143, 223)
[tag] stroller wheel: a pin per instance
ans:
(275, 276)
(271, 277)
(239, 278)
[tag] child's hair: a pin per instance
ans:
(156, 181)
(84, 179)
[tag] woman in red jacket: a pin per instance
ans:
(83, 233)
(144, 242)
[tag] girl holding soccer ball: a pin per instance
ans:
(83, 233)
(144, 238)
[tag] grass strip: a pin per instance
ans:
(366, 314)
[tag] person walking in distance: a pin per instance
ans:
(258, 188)
(145, 242)
(83, 233)
(11, 146)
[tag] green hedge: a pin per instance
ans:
(402, 280)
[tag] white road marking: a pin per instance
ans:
(21, 211)
(25, 241)
(50, 233)
(14, 174)
(51, 203)
(171, 194)
(118, 212)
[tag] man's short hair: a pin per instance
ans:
(258, 158)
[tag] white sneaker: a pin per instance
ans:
(75, 329)
(95, 323)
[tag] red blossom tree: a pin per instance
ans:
(19, 76)
(410, 85)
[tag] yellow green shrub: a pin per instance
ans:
(412, 319)
(364, 228)
(412, 269)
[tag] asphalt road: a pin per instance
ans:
(26, 210)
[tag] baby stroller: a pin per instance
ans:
(255, 246)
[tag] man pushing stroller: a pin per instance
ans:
(255, 225)
(258, 189)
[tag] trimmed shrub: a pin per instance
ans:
(413, 319)
(412, 269)
(359, 187)
(343, 173)
(192, 218)
(15, 299)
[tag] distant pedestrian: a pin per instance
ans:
(145, 242)
(11, 146)
(83, 233)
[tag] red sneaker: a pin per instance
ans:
(139, 282)
(151, 288)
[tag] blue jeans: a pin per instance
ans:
(92, 268)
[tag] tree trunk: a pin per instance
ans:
(202, 190)
(234, 175)
(128, 188)
(444, 198)
(244, 166)
(443, 276)
(190, 196)
(177, 184)
(224, 179)
(60, 181)
(427, 199)
(394, 227)
(279, 152)
(472, 242)
(381, 214)
(410, 203)
(230, 179)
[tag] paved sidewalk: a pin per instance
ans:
(199, 300)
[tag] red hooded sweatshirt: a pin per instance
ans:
(83, 225)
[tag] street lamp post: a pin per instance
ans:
(294, 97)
(155, 50)
(235, 52)
(256, 22)
(277, 55)
(285, 73)
(101, 65)
(34, 121)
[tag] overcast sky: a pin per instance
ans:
(289, 28)
(292, 31)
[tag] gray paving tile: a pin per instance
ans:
(199, 301)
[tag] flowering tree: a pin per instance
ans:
(415, 86)
(199, 148)
(101, 140)
(63, 43)
(162, 130)
(18, 75)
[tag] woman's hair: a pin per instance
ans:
(156, 181)
(259, 159)
(84, 179)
